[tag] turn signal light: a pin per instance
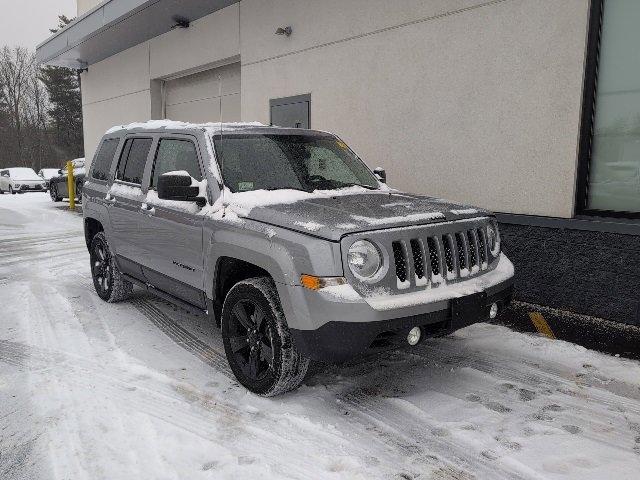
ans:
(316, 283)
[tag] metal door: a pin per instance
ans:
(293, 112)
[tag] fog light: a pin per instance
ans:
(414, 336)
(493, 312)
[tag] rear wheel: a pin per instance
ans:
(79, 192)
(53, 193)
(109, 283)
(257, 341)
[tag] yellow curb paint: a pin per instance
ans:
(541, 325)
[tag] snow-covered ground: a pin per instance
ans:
(141, 390)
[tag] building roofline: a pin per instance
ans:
(116, 25)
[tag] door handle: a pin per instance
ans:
(109, 199)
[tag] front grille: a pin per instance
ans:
(440, 258)
(399, 258)
(418, 260)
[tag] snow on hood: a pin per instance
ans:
(24, 174)
(333, 213)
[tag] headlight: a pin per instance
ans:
(493, 239)
(364, 259)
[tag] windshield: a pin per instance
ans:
(23, 174)
(300, 162)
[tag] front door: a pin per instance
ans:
(125, 200)
(171, 231)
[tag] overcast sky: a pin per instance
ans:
(27, 22)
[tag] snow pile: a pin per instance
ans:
(311, 226)
(413, 217)
(243, 202)
(177, 125)
(466, 211)
(125, 191)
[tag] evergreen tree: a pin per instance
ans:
(65, 112)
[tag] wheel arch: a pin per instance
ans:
(92, 226)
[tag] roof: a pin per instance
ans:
(211, 128)
(116, 25)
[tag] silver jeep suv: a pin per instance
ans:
(287, 241)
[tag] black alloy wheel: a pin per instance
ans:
(53, 193)
(251, 340)
(101, 270)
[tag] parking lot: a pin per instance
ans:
(141, 389)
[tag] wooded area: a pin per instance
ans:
(40, 111)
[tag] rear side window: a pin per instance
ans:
(102, 162)
(133, 159)
(173, 155)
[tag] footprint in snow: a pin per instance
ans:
(572, 429)
(527, 395)
(497, 407)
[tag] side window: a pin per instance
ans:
(133, 159)
(102, 162)
(173, 155)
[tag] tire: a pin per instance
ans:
(253, 321)
(11, 190)
(53, 193)
(79, 192)
(109, 283)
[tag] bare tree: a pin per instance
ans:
(16, 73)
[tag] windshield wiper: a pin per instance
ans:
(368, 187)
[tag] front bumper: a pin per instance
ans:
(339, 341)
(333, 326)
(32, 188)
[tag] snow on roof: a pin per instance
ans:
(176, 125)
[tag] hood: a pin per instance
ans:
(332, 217)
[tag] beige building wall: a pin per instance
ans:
(472, 100)
(125, 88)
(469, 100)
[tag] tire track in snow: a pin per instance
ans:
(212, 420)
(390, 433)
(183, 337)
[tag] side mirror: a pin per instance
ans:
(178, 187)
(60, 172)
(381, 173)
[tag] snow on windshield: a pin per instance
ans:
(23, 174)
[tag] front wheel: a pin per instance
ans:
(53, 193)
(109, 283)
(257, 341)
(11, 190)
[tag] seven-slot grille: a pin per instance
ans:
(439, 258)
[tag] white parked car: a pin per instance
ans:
(48, 173)
(20, 180)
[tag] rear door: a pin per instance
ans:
(171, 231)
(125, 200)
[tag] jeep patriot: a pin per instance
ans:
(288, 242)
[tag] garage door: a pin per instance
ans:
(196, 98)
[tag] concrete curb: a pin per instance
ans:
(590, 332)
